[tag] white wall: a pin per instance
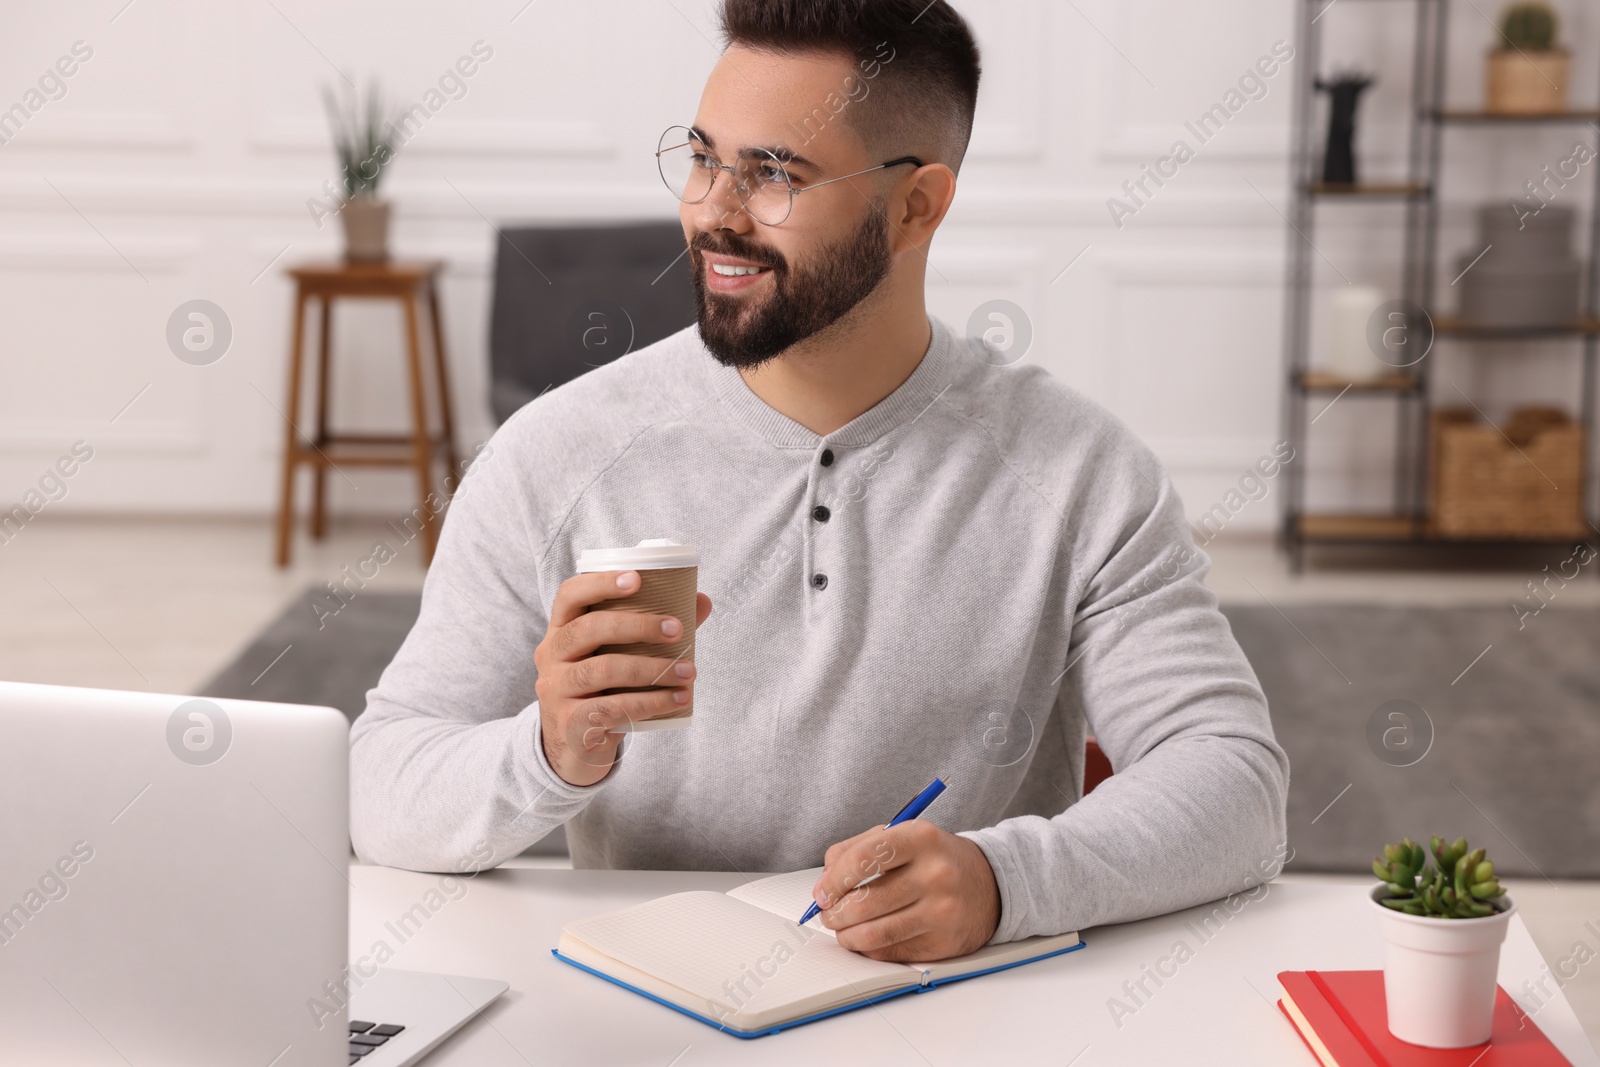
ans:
(179, 162)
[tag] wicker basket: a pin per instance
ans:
(1523, 480)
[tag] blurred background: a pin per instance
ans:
(1159, 206)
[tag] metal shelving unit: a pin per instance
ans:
(1417, 197)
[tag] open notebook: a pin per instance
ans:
(739, 962)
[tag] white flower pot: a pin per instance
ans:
(1439, 975)
(366, 229)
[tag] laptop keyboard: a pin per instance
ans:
(364, 1037)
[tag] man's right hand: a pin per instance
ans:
(574, 718)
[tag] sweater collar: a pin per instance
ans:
(913, 396)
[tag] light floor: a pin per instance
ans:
(160, 604)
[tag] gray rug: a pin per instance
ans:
(1516, 730)
(299, 659)
(1510, 766)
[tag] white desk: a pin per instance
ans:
(1219, 1008)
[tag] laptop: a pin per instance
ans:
(174, 889)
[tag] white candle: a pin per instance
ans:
(1348, 354)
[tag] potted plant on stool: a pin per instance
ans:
(1528, 74)
(363, 143)
(1442, 927)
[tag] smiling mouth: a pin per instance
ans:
(735, 279)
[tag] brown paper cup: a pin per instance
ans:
(665, 591)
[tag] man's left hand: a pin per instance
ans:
(936, 897)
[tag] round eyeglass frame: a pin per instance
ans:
(688, 134)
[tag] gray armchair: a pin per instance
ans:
(570, 298)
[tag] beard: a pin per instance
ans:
(745, 332)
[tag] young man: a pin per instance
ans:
(924, 563)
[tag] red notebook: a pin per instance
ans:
(1343, 1020)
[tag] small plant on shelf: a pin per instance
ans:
(1462, 884)
(1529, 27)
(363, 139)
(1528, 73)
(364, 142)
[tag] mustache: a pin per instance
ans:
(734, 245)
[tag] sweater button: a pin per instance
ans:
(820, 581)
(827, 457)
(820, 513)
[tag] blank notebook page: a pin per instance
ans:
(705, 943)
(788, 896)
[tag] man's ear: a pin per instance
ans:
(918, 209)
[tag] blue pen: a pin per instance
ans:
(918, 805)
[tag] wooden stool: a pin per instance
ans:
(404, 281)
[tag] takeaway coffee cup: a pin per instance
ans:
(669, 581)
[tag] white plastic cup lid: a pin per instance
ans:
(656, 553)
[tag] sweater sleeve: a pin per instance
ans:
(1196, 807)
(447, 766)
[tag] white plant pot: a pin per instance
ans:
(366, 229)
(1439, 975)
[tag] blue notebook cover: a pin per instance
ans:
(821, 1014)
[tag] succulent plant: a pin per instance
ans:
(1461, 884)
(1530, 27)
(363, 138)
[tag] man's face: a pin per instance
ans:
(832, 251)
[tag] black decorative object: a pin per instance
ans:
(1344, 91)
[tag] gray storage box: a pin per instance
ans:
(1532, 296)
(1528, 278)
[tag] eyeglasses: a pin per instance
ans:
(760, 179)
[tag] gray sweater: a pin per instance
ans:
(1001, 570)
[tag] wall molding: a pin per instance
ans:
(432, 197)
(454, 137)
(88, 251)
(102, 131)
(161, 259)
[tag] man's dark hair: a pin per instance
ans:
(918, 61)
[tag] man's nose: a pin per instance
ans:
(722, 209)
